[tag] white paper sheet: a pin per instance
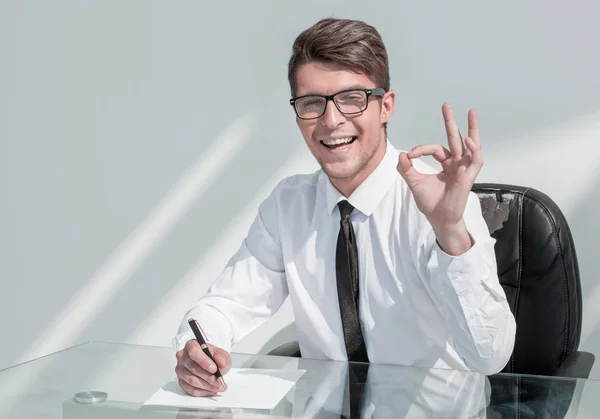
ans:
(247, 388)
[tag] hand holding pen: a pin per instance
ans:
(201, 366)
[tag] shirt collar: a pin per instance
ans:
(371, 191)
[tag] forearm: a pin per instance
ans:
(468, 293)
(234, 307)
(464, 285)
(454, 239)
(250, 289)
(244, 296)
(484, 336)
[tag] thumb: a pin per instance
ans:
(222, 358)
(406, 169)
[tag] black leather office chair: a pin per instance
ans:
(537, 267)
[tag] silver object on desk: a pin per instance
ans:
(89, 397)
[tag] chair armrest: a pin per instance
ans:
(577, 365)
(287, 349)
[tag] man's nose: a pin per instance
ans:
(332, 117)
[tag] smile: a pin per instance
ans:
(338, 142)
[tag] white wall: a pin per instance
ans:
(137, 139)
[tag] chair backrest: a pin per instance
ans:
(537, 267)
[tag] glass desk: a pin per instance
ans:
(130, 374)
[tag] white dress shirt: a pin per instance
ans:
(417, 304)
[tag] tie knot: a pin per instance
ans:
(345, 209)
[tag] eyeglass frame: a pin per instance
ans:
(376, 91)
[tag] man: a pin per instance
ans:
(384, 259)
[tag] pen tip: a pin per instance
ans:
(222, 382)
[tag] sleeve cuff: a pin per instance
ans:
(180, 340)
(465, 271)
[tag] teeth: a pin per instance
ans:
(338, 141)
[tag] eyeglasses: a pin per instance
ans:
(348, 102)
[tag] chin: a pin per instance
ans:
(337, 171)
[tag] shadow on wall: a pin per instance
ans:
(105, 247)
(585, 225)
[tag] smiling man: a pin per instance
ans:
(384, 259)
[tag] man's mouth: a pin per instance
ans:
(334, 144)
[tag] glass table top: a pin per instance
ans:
(131, 374)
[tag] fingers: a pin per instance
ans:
(437, 151)
(195, 370)
(406, 169)
(222, 358)
(454, 142)
(194, 375)
(476, 157)
(199, 372)
(194, 391)
(195, 382)
(195, 352)
(474, 127)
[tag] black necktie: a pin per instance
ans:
(346, 266)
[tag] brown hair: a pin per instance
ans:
(352, 44)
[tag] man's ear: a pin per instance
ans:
(387, 106)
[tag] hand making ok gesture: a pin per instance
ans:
(442, 197)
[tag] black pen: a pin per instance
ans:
(194, 325)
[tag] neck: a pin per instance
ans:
(349, 184)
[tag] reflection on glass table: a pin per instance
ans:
(130, 375)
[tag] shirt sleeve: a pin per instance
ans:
(249, 290)
(467, 291)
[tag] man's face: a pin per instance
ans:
(364, 131)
